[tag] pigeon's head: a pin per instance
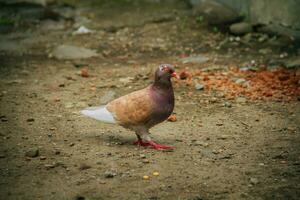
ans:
(164, 72)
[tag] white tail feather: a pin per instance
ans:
(99, 113)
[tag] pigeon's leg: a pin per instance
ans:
(145, 141)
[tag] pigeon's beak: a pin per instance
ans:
(175, 75)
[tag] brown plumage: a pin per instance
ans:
(142, 109)
(132, 109)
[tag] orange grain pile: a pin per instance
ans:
(281, 84)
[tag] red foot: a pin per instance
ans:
(153, 145)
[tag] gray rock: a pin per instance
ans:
(199, 86)
(195, 59)
(215, 13)
(110, 173)
(108, 96)
(227, 104)
(72, 52)
(240, 28)
(241, 100)
(32, 153)
(254, 181)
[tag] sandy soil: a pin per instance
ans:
(243, 150)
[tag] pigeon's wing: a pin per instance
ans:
(100, 113)
(132, 109)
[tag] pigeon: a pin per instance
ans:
(142, 109)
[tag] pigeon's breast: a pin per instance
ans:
(164, 105)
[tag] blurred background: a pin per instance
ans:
(236, 120)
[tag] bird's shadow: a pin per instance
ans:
(111, 138)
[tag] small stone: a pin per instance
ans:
(155, 173)
(240, 28)
(43, 158)
(241, 100)
(30, 120)
(240, 81)
(142, 156)
(56, 152)
(145, 161)
(110, 173)
(84, 166)
(84, 72)
(227, 104)
(172, 118)
(199, 86)
(215, 151)
(254, 181)
(262, 38)
(223, 137)
(72, 52)
(2, 156)
(200, 143)
(32, 153)
(146, 177)
(50, 166)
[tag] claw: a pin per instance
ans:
(153, 145)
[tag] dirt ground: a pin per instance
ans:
(225, 148)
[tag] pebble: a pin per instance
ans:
(30, 120)
(110, 173)
(50, 166)
(199, 86)
(146, 177)
(84, 166)
(254, 181)
(240, 28)
(241, 100)
(155, 173)
(43, 158)
(72, 52)
(223, 137)
(2, 156)
(146, 161)
(227, 104)
(142, 156)
(32, 153)
(200, 143)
